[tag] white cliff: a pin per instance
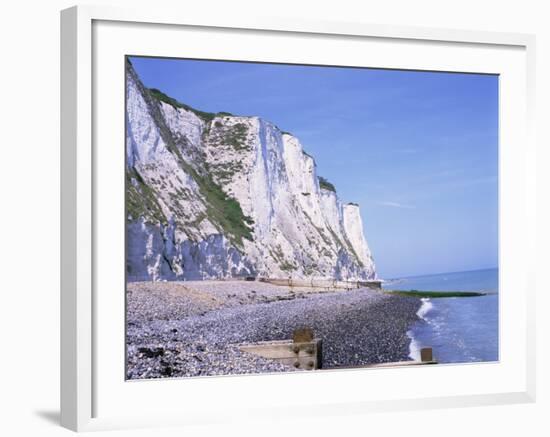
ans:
(218, 196)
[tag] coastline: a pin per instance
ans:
(414, 345)
(194, 328)
(459, 316)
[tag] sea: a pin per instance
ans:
(458, 329)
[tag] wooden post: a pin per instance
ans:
(426, 354)
(302, 335)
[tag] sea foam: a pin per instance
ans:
(414, 345)
(425, 308)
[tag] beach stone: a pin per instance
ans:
(151, 352)
(357, 327)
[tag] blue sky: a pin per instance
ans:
(417, 150)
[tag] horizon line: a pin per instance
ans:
(443, 273)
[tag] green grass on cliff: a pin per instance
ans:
(325, 184)
(236, 137)
(223, 211)
(206, 116)
(141, 200)
(221, 208)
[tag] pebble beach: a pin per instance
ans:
(195, 328)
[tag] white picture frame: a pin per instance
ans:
(89, 398)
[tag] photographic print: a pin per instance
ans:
(291, 218)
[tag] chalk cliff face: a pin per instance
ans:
(214, 196)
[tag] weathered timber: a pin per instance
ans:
(302, 335)
(426, 354)
(303, 355)
(426, 357)
(303, 351)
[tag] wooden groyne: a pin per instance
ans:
(426, 357)
(292, 282)
(322, 283)
(304, 351)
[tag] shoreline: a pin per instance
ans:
(415, 345)
(193, 328)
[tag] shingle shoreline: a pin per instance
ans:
(194, 328)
